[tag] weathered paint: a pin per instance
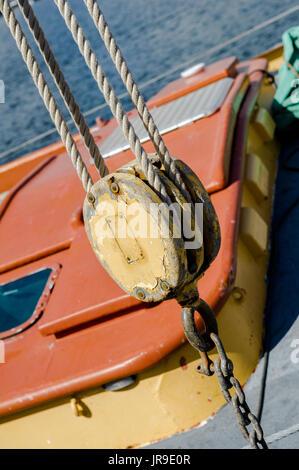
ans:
(83, 341)
(151, 262)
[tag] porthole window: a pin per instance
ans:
(19, 300)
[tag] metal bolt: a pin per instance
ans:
(114, 188)
(164, 285)
(238, 293)
(91, 199)
(140, 293)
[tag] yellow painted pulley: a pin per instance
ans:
(152, 250)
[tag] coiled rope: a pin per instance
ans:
(46, 94)
(134, 92)
(63, 86)
(111, 98)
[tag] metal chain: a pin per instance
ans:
(63, 86)
(223, 367)
(137, 98)
(46, 94)
(111, 98)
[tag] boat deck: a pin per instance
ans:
(280, 417)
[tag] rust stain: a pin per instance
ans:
(195, 425)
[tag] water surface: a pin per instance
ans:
(155, 36)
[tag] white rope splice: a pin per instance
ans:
(63, 86)
(111, 98)
(46, 94)
(138, 100)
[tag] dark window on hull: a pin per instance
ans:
(18, 299)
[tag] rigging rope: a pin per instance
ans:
(46, 94)
(138, 100)
(63, 86)
(111, 98)
(169, 72)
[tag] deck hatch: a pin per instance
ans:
(189, 108)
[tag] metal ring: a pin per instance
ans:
(200, 341)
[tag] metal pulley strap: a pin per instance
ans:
(111, 98)
(122, 67)
(46, 94)
(63, 86)
(223, 368)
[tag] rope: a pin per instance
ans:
(46, 94)
(138, 100)
(111, 98)
(63, 87)
(169, 72)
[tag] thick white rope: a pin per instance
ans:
(63, 86)
(46, 94)
(138, 100)
(111, 98)
(165, 74)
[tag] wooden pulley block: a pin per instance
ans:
(152, 250)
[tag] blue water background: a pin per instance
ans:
(155, 36)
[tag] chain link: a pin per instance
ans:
(223, 368)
